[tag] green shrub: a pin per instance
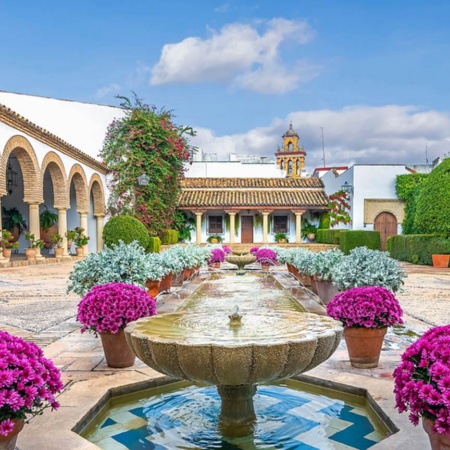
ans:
(169, 237)
(417, 248)
(325, 221)
(154, 245)
(350, 239)
(328, 236)
(126, 229)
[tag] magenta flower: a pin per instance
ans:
(366, 307)
(226, 249)
(422, 379)
(265, 255)
(217, 256)
(111, 306)
(28, 381)
(254, 250)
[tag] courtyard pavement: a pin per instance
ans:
(35, 306)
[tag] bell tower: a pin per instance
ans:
(291, 158)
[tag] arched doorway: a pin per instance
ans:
(386, 224)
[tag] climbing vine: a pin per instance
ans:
(145, 141)
(339, 208)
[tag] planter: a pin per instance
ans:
(281, 241)
(30, 254)
(313, 285)
(440, 260)
(118, 353)
(152, 287)
(7, 253)
(178, 279)
(326, 290)
(364, 346)
(437, 441)
(265, 266)
(214, 241)
(215, 265)
(8, 442)
(80, 251)
(69, 245)
(187, 273)
(311, 236)
(166, 283)
(45, 236)
(59, 252)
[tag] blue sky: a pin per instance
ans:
(374, 74)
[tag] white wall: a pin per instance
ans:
(232, 169)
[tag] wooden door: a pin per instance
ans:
(386, 224)
(247, 229)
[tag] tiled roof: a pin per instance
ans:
(306, 193)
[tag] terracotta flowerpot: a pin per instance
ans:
(45, 236)
(313, 285)
(152, 287)
(292, 269)
(30, 253)
(8, 442)
(364, 346)
(215, 265)
(177, 280)
(437, 441)
(7, 253)
(305, 279)
(80, 251)
(188, 274)
(265, 266)
(326, 290)
(59, 252)
(440, 260)
(166, 283)
(118, 353)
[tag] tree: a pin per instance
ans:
(145, 141)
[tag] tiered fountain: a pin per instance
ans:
(241, 260)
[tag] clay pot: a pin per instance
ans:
(166, 283)
(80, 251)
(215, 265)
(59, 252)
(437, 441)
(7, 253)
(152, 287)
(178, 279)
(30, 254)
(313, 285)
(326, 290)
(8, 442)
(45, 236)
(118, 353)
(187, 273)
(292, 269)
(265, 267)
(440, 260)
(364, 346)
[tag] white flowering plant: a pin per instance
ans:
(324, 262)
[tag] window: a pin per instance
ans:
(289, 168)
(215, 225)
(280, 224)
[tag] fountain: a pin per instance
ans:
(234, 353)
(241, 260)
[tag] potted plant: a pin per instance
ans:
(14, 222)
(254, 250)
(7, 243)
(301, 262)
(440, 260)
(34, 245)
(214, 239)
(309, 230)
(29, 385)
(172, 265)
(365, 312)
(281, 238)
(154, 272)
(266, 257)
(56, 240)
(217, 256)
(70, 235)
(107, 309)
(365, 267)
(80, 240)
(422, 385)
(48, 220)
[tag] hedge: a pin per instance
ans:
(154, 245)
(328, 236)
(350, 239)
(125, 228)
(169, 237)
(417, 248)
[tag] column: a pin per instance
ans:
(35, 227)
(62, 230)
(2, 258)
(265, 215)
(298, 225)
(84, 224)
(99, 219)
(198, 226)
(232, 226)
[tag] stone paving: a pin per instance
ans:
(34, 305)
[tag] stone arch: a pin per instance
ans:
(78, 177)
(55, 166)
(32, 182)
(98, 194)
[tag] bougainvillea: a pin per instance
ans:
(111, 306)
(28, 381)
(422, 379)
(339, 208)
(217, 256)
(145, 141)
(266, 256)
(366, 307)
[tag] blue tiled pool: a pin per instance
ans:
(287, 418)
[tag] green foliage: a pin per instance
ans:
(433, 204)
(339, 208)
(328, 236)
(184, 226)
(47, 219)
(125, 228)
(33, 242)
(12, 218)
(324, 223)
(417, 248)
(407, 188)
(350, 239)
(169, 237)
(145, 141)
(154, 244)
(307, 228)
(215, 237)
(236, 223)
(280, 236)
(323, 263)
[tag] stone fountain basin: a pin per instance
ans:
(206, 349)
(240, 260)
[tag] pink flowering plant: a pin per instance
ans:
(28, 381)
(422, 379)
(266, 256)
(217, 256)
(254, 250)
(111, 306)
(366, 307)
(226, 249)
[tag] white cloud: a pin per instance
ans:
(353, 135)
(107, 90)
(238, 54)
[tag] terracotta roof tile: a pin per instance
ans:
(258, 183)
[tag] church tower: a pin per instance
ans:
(291, 158)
